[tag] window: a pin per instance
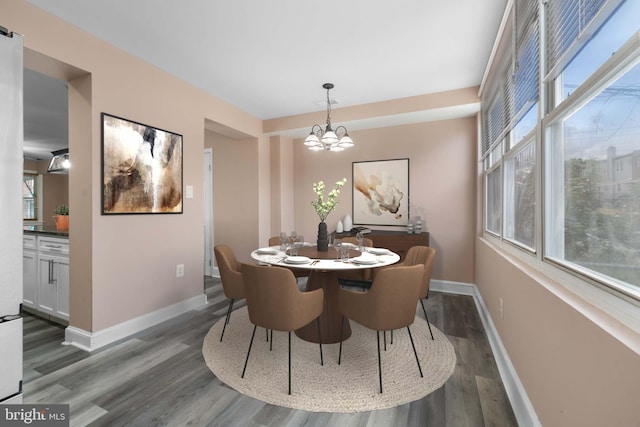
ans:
(608, 39)
(592, 220)
(30, 197)
(520, 197)
(585, 133)
(510, 115)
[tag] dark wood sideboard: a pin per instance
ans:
(397, 241)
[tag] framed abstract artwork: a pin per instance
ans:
(381, 192)
(141, 168)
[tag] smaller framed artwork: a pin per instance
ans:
(381, 192)
(141, 168)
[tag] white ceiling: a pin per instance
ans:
(270, 58)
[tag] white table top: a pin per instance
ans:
(279, 258)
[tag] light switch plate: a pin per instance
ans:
(189, 191)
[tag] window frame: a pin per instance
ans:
(38, 208)
(624, 59)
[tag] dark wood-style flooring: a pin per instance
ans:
(158, 377)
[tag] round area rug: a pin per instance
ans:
(351, 386)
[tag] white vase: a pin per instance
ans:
(339, 228)
(348, 225)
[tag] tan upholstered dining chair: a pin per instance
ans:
(389, 304)
(351, 239)
(231, 278)
(275, 302)
(416, 255)
(423, 255)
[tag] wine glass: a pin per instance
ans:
(360, 240)
(337, 244)
(293, 236)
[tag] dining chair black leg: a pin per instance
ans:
(266, 331)
(289, 362)
(230, 309)
(414, 351)
(340, 351)
(379, 361)
(384, 334)
(426, 318)
(226, 320)
(392, 336)
(320, 339)
(248, 351)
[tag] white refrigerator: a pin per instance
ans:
(11, 167)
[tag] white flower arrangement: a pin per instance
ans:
(323, 208)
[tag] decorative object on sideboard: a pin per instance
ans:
(327, 139)
(381, 192)
(347, 223)
(325, 207)
(417, 224)
(141, 168)
(339, 227)
(61, 217)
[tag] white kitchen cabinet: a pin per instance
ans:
(29, 271)
(53, 285)
(50, 294)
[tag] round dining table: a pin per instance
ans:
(324, 270)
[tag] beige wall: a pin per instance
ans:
(235, 193)
(441, 183)
(574, 372)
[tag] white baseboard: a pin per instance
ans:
(522, 407)
(215, 272)
(90, 341)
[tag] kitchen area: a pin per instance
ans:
(45, 192)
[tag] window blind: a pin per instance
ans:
(570, 24)
(527, 57)
(517, 85)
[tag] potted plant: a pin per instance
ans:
(61, 217)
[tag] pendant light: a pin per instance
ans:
(328, 139)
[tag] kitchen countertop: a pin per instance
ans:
(49, 231)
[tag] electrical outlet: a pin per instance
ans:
(501, 309)
(179, 270)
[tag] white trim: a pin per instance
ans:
(215, 272)
(496, 44)
(89, 341)
(522, 407)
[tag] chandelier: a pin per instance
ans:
(328, 139)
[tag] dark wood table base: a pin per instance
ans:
(331, 317)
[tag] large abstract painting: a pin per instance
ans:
(141, 168)
(381, 192)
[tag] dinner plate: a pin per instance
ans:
(378, 251)
(349, 245)
(297, 260)
(364, 260)
(267, 251)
